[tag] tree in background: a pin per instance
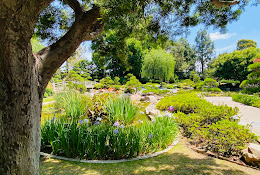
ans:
(185, 58)
(36, 44)
(158, 65)
(24, 75)
(233, 66)
(204, 48)
(245, 44)
(252, 84)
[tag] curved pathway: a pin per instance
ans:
(248, 114)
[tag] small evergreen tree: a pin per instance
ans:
(252, 84)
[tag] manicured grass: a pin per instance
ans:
(179, 160)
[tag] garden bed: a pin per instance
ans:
(209, 128)
(104, 128)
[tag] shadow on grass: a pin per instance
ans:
(173, 162)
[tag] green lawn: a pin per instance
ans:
(48, 99)
(179, 160)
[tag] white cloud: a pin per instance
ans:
(218, 35)
(226, 49)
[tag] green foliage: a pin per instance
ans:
(99, 86)
(74, 138)
(74, 104)
(187, 83)
(154, 89)
(185, 102)
(214, 89)
(252, 84)
(185, 57)
(245, 44)
(209, 85)
(121, 109)
(204, 48)
(229, 83)
(158, 64)
(191, 103)
(48, 92)
(228, 138)
(194, 77)
(36, 44)
(170, 86)
(247, 99)
(133, 82)
(233, 66)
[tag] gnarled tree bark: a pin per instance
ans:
(24, 76)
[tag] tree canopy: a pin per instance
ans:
(245, 44)
(204, 48)
(158, 65)
(233, 66)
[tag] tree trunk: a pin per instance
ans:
(24, 77)
(20, 109)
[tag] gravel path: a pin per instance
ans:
(248, 114)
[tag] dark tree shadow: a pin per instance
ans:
(173, 162)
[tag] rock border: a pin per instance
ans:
(114, 161)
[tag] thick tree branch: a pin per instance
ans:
(75, 5)
(86, 27)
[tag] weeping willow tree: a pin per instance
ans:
(158, 64)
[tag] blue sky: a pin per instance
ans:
(246, 27)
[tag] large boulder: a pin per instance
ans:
(149, 98)
(252, 154)
(135, 97)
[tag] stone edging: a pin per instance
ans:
(114, 161)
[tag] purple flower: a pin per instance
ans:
(97, 123)
(116, 131)
(141, 121)
(171, 108)
(116, 124)
(52, 120)
(81, 122)
(150, 136)
(153, 121)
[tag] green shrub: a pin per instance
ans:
(227, 137)
(81, 88)
(191, 123)
(73, 138)
(185, 102)
(251, 90)
(170, 86)
(48, 92)
(247, 99)
(208, 125)
(215, 89)
(117, 87)
(99, 86)
(213, 113)
(156, 91)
